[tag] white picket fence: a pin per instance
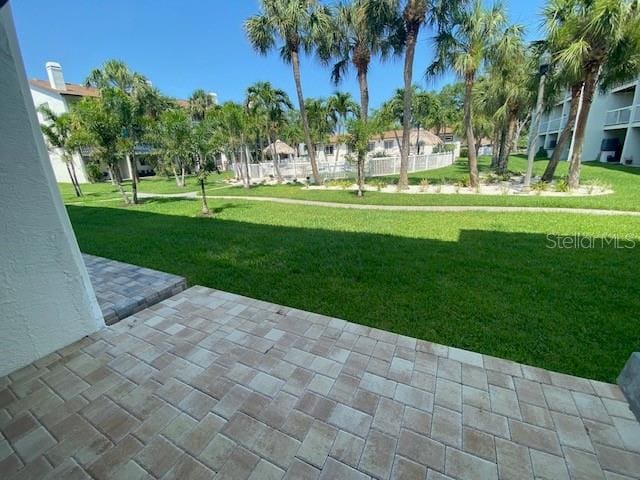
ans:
(374, 167)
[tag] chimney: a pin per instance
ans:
(56, 79)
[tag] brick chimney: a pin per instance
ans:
(56, 79)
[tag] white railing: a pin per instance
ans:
(374, 167)
(618, 116)
(636, 114)
(554, 125)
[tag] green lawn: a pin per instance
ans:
(625, 181)
(482, 281)
(104, 191)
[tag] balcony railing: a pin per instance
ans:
(619, 116)
(636, 114)
(543, 127)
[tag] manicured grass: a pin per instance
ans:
(486, 282)
(625, 181)
(104, 190)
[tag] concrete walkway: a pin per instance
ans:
(402, 208)
(208, 384)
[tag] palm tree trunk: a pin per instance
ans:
(119, 185)
(274, 158)
(175, 175)
(591, 80)
(73, 181)
(295, 64)
(507, 144)
(565, 135)
(134, 183)
(410, 49)
(205, 206)
(495, 151)
(468, 126)
(182, 184)
(364, 115)
(521, 125)
(74, 178)
(243, 156)
(418, 140)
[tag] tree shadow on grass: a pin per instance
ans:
(504, 294)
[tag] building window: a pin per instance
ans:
(389, 144)
(328, 149)
(447, 137)
(371, 146)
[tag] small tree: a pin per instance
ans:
(58, 131)
(97, 125)
(172, 137)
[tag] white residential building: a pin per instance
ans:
(613, 128)
(387, 144)
(59, 96)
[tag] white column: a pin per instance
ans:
(46, 299)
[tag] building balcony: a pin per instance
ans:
(636, 114)
(619, 116)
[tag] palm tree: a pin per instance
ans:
(142, 97)
(415, 14)
(511, 82)
(98, 125)
(58, 131)
(464, 46)
(596, 41)
(269, 105)
(206, 141)
(300, 25)
(234, 124)
(363, 29)
(341, 107)
(172, 137)
(199, 103)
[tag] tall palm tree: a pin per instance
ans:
(58, 130)
(142, 98)
(363, 29)
(416, 14)
(299, 25)
(598, 42)
(341, 107)
(269, 105)
(199, 103)
(511, 82)
(234, 125)
(464, 46)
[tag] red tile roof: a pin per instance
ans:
(72, 89)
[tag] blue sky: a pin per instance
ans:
(189, 44)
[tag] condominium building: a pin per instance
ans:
(613, 128)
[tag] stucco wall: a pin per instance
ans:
(46, 299)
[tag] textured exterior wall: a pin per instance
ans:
(46, 299)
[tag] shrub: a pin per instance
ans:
(342, 183)
(464, 152)
(542, 153)
(562, 185)
(463, 182)
(378, 183)
(94, 172)
(424, 184)
(540, 187)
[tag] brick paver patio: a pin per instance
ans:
(123, 289)
(208, 384)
